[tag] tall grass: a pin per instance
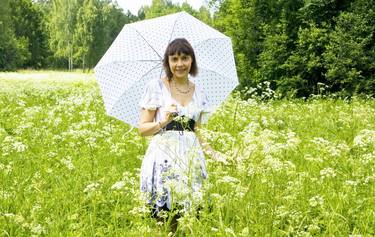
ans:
(293, 168)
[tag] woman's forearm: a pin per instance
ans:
(150, 128)
(204, 144)
(208, 150)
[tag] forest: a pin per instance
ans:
(298, 48)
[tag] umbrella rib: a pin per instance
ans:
(170, 37)
(158, 65)
(147, 42)
(141, 78)
(174, 24)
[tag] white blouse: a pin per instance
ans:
(158, 97)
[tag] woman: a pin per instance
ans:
(173, 168)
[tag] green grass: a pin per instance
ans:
(294, 168)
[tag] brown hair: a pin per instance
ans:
(179, 45)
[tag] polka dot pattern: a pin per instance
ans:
(135, 57)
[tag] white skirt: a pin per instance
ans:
(173, 169)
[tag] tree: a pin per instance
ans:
(27, 22)
(205, 16)
(13, 51)
(349, 56)
(109, 21)
(299, 45)
(84, 29)
(61, 28)
(304, 69)
(160, 8)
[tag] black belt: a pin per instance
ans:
(181, 126)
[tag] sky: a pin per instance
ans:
(134, 5)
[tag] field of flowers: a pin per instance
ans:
(293, 168)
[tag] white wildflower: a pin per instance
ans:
(37, 229)
(316, 201)
(217, 197)
(292, 140)
(92, 119)
(364, 138)
(351, 183)
(19, 219)
(264, 121)
(4, 195)
(118, 185)
(8, 168)
(19, 147)
(245, 231)
(313, 228)
(333, 151)
(57, 121)
(19, 130)
(273, 163)
(91, 141)
(21, 103)
(139, 210)
(9, 215)
(321, 142)
(229, 231)
(51, 154)
(327, 173)
(68, 163)
(309, 157)
(228, 179)
(73, 217)
(367, 158)
(91, 188)
(369, 179)
(115, 148)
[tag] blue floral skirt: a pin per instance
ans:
(173, 170)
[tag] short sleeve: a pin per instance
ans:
(151, 98)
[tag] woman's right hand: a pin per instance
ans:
(169, 114)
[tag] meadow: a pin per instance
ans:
(293, 167)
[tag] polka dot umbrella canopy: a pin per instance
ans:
(136, 55)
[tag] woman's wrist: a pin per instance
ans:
(160, 125)
(163, 123)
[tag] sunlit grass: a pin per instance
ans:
(294, 168)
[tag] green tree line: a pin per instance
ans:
(302, 47)
(68, 33)
(298, 47)
(58, 33)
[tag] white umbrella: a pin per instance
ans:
(136, 55)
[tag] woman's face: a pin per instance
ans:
(180, 65)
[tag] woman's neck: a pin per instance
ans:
(180, 80)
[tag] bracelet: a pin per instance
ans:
(160, 125)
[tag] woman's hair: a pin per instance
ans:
(179, 45)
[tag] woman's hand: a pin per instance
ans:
(216, 155)
(219, 157)
(170, 114)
